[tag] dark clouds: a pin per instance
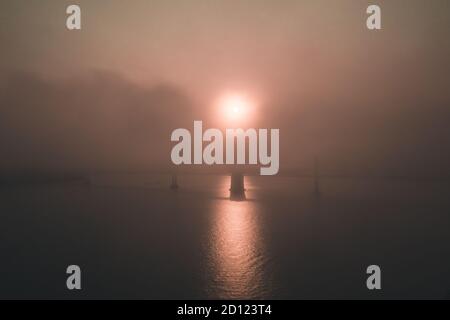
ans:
(98, 121)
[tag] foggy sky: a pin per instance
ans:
(108, 96)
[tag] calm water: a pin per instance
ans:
(135, 238)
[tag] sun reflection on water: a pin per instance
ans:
(236, 253)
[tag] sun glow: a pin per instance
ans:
(235, 108)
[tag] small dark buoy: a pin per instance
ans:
(237, 189)
(174, 183)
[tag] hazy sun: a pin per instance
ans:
(235, 107)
